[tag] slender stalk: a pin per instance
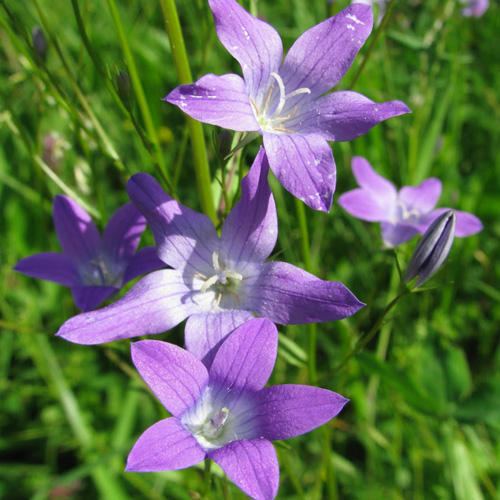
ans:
(202, 170)
(365, 339)
(306, 255)
(207, 474)
(374, 40)
(46, 362)
(138, 90)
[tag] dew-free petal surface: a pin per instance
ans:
(252, 465)
(75, 230)
(290, 410)
(49, 266)
(185, 238)
(204, 332)
(174, 375)
(155, 304)
(251, 229)
(289, 295)
(166, 445)
(246, 359)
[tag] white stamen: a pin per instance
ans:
(281, 86)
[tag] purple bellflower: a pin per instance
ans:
(93, 267)
(225, 413)
(216, 282)
(475, 8)
(403, 213)
(285, 100)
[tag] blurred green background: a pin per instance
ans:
(424, 416)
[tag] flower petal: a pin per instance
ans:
(321, 56)
(305, 167)
(251, 229)
(421, 198)
(88, 298)
(467, 224)
(395, 234)
(252, 465)
(145, 261)
(49, 266)
(174, 375)
(218, 100)
(77, 234)
(361, 203)
(204, 332)
(245, 360)
(253, 43)
(345, 115)
(123, 232)
(288, 295)
(166, 445)
(291, 410)
(184, 237)
(155, 304)
(370, 180)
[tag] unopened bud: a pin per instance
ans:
(224, 143)
(123, 85)
(39, 43)
(433, 248)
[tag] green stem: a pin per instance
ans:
(374, 40)
(367, 337)
(306, 256)
(181, 61)
(207, 476)
(47, 364)
(138, 90)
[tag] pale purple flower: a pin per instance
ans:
(403, 213)
(475, 8)
(93, 267)
(285, 100)
(216, 282)
(225, 413)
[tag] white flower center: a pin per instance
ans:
(271, 115)
(216, 419)
(405, 213)
(224, 281)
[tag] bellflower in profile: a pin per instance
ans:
(475, 8)
(225, 413)
(432, 249)
(285, 100)
(217, 283)
(93, 267)
(403, 213)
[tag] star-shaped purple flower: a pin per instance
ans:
(217, 283)
(475, 8)
(403, 213)
(285, 101)
(225, 413)
(93, 267)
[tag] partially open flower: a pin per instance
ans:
(433, 249)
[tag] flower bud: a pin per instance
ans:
(123, 87)
(433, 248)
(39, 43)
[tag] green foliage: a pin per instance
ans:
(424, 416)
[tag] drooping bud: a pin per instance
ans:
(39, 43)
(433, 248)
(123, 87)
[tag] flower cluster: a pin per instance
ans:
(223, 283)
